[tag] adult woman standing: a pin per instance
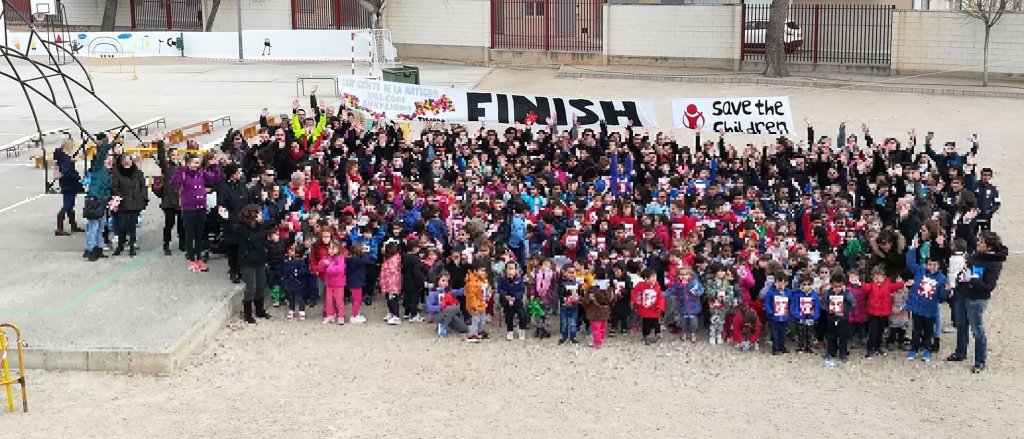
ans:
(169, 161)
(128, 183)
(972, 295)
(70, 186)
(251, 236)
(95, 210)
(192, 180)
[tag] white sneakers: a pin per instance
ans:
(718, 339)
(394, 321)
(357, 319)
(387, 317)
(416, 319)
(522, 334)
(510, 336)
(302, 315)
(328, 320)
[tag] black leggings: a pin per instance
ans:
(923, 333)
(194, 226)
(127, 220)
(172, 218)
(651, 325)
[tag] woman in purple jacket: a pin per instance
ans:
(192, 180)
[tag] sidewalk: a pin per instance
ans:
(928, 84)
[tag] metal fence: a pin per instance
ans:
(11, 11)
(330, 14)
(167, 15)
(559, 25)
(824, 34)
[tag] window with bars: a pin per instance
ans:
(167, 15)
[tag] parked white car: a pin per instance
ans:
(754, 32)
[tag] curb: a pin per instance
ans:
(758, 80)
(141, 362)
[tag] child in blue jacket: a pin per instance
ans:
(294, 271)
(923, 303)
(511, 290)
(687, 290)
(805, 308)
(777, 301)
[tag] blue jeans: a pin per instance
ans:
(567, 320)
(69, 202)
(778, 330)
(94, 232)
(968, 312)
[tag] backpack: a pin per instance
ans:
(158, 186)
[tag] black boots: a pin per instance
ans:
(60, 226)
(119, 249)
(261, 312)
(167, 249)
(247, 312)
(94, 254)
(235, 278)
(74, 223)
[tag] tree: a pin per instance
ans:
(775, 40)
(988, 12)
(109, 16)
(376, 10)
(212, 15)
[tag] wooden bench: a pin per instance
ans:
(251, 130)
(224, 119)
(187, 132)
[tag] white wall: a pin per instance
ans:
(439, 22)
(655, 31)
(944, 41)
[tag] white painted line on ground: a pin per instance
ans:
(21, 202)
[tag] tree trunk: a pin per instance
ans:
(109, 16)
(984, 75)
(775, 40)
(213, 15)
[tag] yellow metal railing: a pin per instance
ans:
(5, 369)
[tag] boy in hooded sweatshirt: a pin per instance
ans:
(923, 303)
(805, 308)
(777, 301)
(839, 303)
(649, 303)
(687, 291)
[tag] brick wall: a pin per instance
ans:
(663, 31)
(942, 41)
(439, 22)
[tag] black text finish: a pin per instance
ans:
(757, 107)
(503, 108)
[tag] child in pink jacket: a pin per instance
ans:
(332, 269)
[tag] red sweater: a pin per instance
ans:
(880, 297)
(648, 300)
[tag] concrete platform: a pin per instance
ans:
(139, 315)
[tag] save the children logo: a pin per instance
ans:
(693, 118)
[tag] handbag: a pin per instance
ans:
(94, 208)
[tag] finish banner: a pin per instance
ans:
(763, 115)
(391, 100)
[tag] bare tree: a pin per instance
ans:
(775, 40)
(376, 10)
(214, 7)
(109, 15)
(988, 12)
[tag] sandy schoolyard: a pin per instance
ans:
(284, 379)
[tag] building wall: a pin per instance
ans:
(429, 28)
(930, 41)
(701, 36)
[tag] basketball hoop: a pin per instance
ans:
(39, 17)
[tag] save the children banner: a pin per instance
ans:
(391, 100)
(761, 115)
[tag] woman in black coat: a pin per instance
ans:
(70, 182)
(128, 182)
(251, 236)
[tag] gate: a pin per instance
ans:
(184, 15)
(330, 14)
(823, 34)
(559, 25)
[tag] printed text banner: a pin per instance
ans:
(417, 102)
(762, 115)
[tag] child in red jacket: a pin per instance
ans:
(879, 293)
(746, 328)
(649, 304)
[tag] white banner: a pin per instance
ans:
(418, 102)
(761, 115)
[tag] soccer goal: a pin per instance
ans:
(372, 51)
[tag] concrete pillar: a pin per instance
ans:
(737, 20)
(895, 47)
(487, 31)
(606, 33)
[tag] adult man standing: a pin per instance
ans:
(972, 295)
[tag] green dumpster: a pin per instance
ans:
(403, 74)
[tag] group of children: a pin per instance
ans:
(614, 234)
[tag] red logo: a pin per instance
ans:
(693, 119)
